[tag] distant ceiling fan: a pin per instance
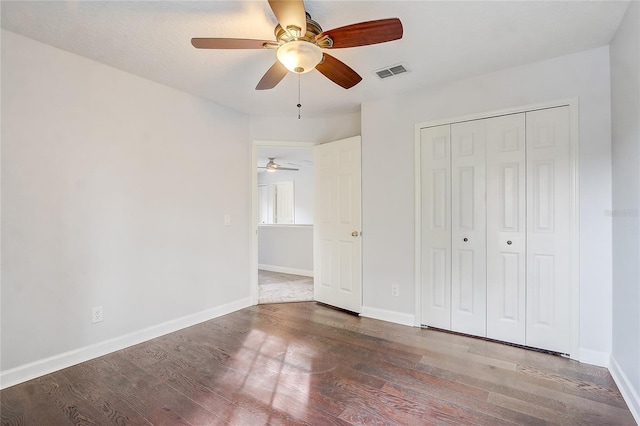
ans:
(299, 41)
(272, 166)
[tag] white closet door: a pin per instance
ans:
(436, 226)
(548, 229)
(468, 228)
(506, 242)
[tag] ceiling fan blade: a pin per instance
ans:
(286, 168)
(365, 33)
(230, 43)
(338, 72)
(272, 77)
(290, 12)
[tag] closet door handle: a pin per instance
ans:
(465, 239)
(509, 242)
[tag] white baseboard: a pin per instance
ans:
(630, 395)
(598, 358)
(285, 270)
(389, 316)
(41, 367)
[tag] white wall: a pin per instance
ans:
(110, 199)
(388, 177)
(625, 112)
(307, 129)
(302, 188)
(286, 248)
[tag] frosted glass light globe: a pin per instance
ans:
(299, 56)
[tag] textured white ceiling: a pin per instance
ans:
(443, 41)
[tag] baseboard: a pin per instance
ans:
(285, 270)
(389, 316)
(598, 358)
(630, 395)
(41, 367)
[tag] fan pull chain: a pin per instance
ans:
(299, 104)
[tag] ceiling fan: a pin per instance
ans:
(272, 166)
(299, 41)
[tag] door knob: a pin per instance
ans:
(465, 239)
(509, 242)
(355, 233)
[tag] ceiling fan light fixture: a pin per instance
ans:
(271, 165)
(299, 56)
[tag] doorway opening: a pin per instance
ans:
(279, 287)
(283, 217)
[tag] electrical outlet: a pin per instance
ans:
(96, 315)
(395, 290)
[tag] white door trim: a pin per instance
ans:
(574, 203)
(253, 291)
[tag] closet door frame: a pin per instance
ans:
(574, 203)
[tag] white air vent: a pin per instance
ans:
(391, 71)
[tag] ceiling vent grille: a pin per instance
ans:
(391, 71)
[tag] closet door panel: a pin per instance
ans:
(506, 232)
(468, 228)
(549, 229)
(436, 226)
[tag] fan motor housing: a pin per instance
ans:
(293, 33)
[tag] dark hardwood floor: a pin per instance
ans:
(302, 363)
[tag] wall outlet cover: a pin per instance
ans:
(96, 314)
(395, 290)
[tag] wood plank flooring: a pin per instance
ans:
(303, 363)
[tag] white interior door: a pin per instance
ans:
(549, 228)
(337, 224)
(506, 242)
(435, 262)
(468, 228)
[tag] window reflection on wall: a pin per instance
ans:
(283, 202)
(286, 197)
(276, 203)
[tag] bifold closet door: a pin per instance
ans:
(549, 229)
(435, 262)
(497, 226)
(506, 228)
(468, 228)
